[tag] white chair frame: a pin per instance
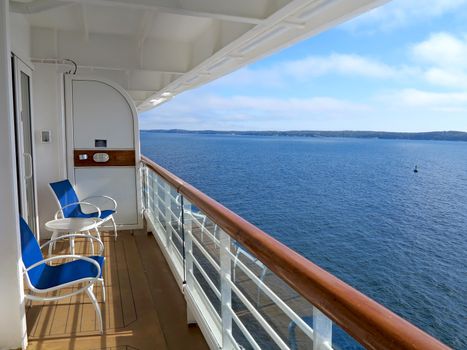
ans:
(264, 269)
(110, 217)
(84, 202)
(89, 281)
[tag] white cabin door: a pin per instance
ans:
(103, 145)
(24, 143)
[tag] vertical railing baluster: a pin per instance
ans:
(146, 187)
(153, 196)
(155, 201)
(226, 292)
(168, 217)
(322, 330)
(187, 231)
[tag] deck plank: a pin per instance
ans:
(167, 297)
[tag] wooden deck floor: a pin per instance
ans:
(144, 308)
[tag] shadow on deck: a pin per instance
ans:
(144, 308)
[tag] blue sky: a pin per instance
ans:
(401, 67)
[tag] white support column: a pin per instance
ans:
(12, 315)
(187, 227)
(168, 216)
(226, 292)
(322, 330)
(157, 206)
(145, 181)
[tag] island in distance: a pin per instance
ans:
(432, 135)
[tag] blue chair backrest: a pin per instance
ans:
(66, 194)
(30, 251)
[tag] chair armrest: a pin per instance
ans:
(252, 258)
(73, 235)
(80, 203)
(57, 257)
(114, 202)
(197, 214)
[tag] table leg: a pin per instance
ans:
(91, 241)
(72, 245)
(98, 234)
(52, 245)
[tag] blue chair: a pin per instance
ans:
(71, 206)
(42, 278)
(240, 250)
(340, 339)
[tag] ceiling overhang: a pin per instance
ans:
(156, 49)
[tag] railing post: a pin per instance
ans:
(187, 227)
(226, 292)
(155, 200)
(148, 189)
(168, 216)
(145, 183)
(322, 330)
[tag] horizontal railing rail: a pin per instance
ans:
(371, 324)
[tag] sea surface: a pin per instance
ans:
(353, 206)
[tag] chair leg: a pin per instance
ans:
(103, 290)
(115, 227)
(98, 234)
(96, 306)
(91, 242)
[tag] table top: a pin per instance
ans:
(72, 224)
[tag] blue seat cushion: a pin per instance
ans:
(104, 214)
(52, 276)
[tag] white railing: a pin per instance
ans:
(266, 296)
(233, 297)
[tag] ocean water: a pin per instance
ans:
(353, 206)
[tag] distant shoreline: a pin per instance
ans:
(428, 136)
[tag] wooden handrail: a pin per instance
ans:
(370, 323)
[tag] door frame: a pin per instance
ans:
(69, 132)
(19, 66)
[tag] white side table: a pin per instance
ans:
(72, 225)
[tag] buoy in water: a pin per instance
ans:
(415, 169)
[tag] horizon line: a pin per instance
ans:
(310, 130)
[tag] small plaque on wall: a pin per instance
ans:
(100, 143)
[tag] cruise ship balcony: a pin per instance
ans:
(184, 272)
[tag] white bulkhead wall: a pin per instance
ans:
(48, 114)
(20, 36)
(12, 315)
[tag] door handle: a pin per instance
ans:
(29, 158)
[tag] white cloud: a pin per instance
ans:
(290, 72)
(442, 50)
(401, 13)
(441, 60)
(435, 101)
(276, 107)
(344, 64)
(444, 57)
(446, 78)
